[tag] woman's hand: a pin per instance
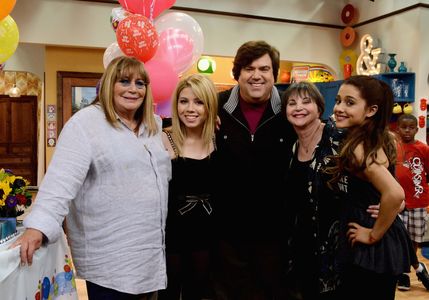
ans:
(357, 233)
(30, 241)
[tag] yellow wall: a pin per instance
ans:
(91, 60)
(69, 60)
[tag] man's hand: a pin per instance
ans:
(373, 210)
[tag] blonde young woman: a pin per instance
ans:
(191, 145)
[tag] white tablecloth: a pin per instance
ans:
(51, 276)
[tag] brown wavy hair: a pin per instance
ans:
(373, 133)
(252, 50)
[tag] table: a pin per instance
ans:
(51, 276)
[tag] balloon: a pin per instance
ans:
(186, 24)
(6, 7)
(111, 52)
(163, 79)
(148, 8)
(137, 37)
(9, 38)
(175, 47)
(164, 109)
(117, 15)
(46, 287)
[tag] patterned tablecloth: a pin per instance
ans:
(51, 276)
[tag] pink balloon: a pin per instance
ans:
(148, 8)
(188, 25)
(175, 47)
(163, 79)
(164, 109)
(137, 37)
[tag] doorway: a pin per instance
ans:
(18, 136)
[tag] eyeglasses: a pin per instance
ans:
(140, 84)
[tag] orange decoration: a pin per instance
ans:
(348, 36)
(285, 77)
(422, 121)
(423, 104)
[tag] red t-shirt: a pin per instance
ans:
(411, 169)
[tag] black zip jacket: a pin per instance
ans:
(251, 193)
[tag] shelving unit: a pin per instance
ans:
(329, 89)
(399, 82)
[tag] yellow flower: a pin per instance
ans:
(5, 186)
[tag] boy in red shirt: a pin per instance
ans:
(412, 167)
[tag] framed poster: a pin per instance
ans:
(75, 90)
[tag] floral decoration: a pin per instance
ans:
(14, 197)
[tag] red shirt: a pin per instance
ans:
(411, 169)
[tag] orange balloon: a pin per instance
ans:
(6, 7)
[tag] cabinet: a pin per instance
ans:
(328, 90)
(18, 136)
(402, 84)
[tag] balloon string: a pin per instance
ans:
(126, 6)
(152, 5)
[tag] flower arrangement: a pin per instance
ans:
(14, 197)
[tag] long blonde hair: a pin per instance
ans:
(118, 68)
(204, 89)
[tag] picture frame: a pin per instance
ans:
(75, 90)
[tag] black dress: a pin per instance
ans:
(190, 208)
(393, 254)
(189, 228)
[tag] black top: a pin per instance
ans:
(315, 209)
(190, 204)
(394, 253)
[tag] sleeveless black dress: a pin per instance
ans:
(394, 253)
(190, 209)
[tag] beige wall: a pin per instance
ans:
(70, 60)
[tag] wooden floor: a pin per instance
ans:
(417, 291)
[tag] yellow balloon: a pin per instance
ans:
(9, 38)
(6, 7)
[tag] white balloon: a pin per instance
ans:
(111, 53)
(187, 24)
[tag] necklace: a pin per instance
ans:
(306, 148)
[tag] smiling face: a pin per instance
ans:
(128, 95)
(301, 110)
(190, 109)
(350, 108)
(257, 80)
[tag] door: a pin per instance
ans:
(18, 136)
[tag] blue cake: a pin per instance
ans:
(7, 228)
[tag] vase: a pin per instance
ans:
(392, 62)
(402, 68)
(7, 227)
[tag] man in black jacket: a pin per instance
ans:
(254, 144)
